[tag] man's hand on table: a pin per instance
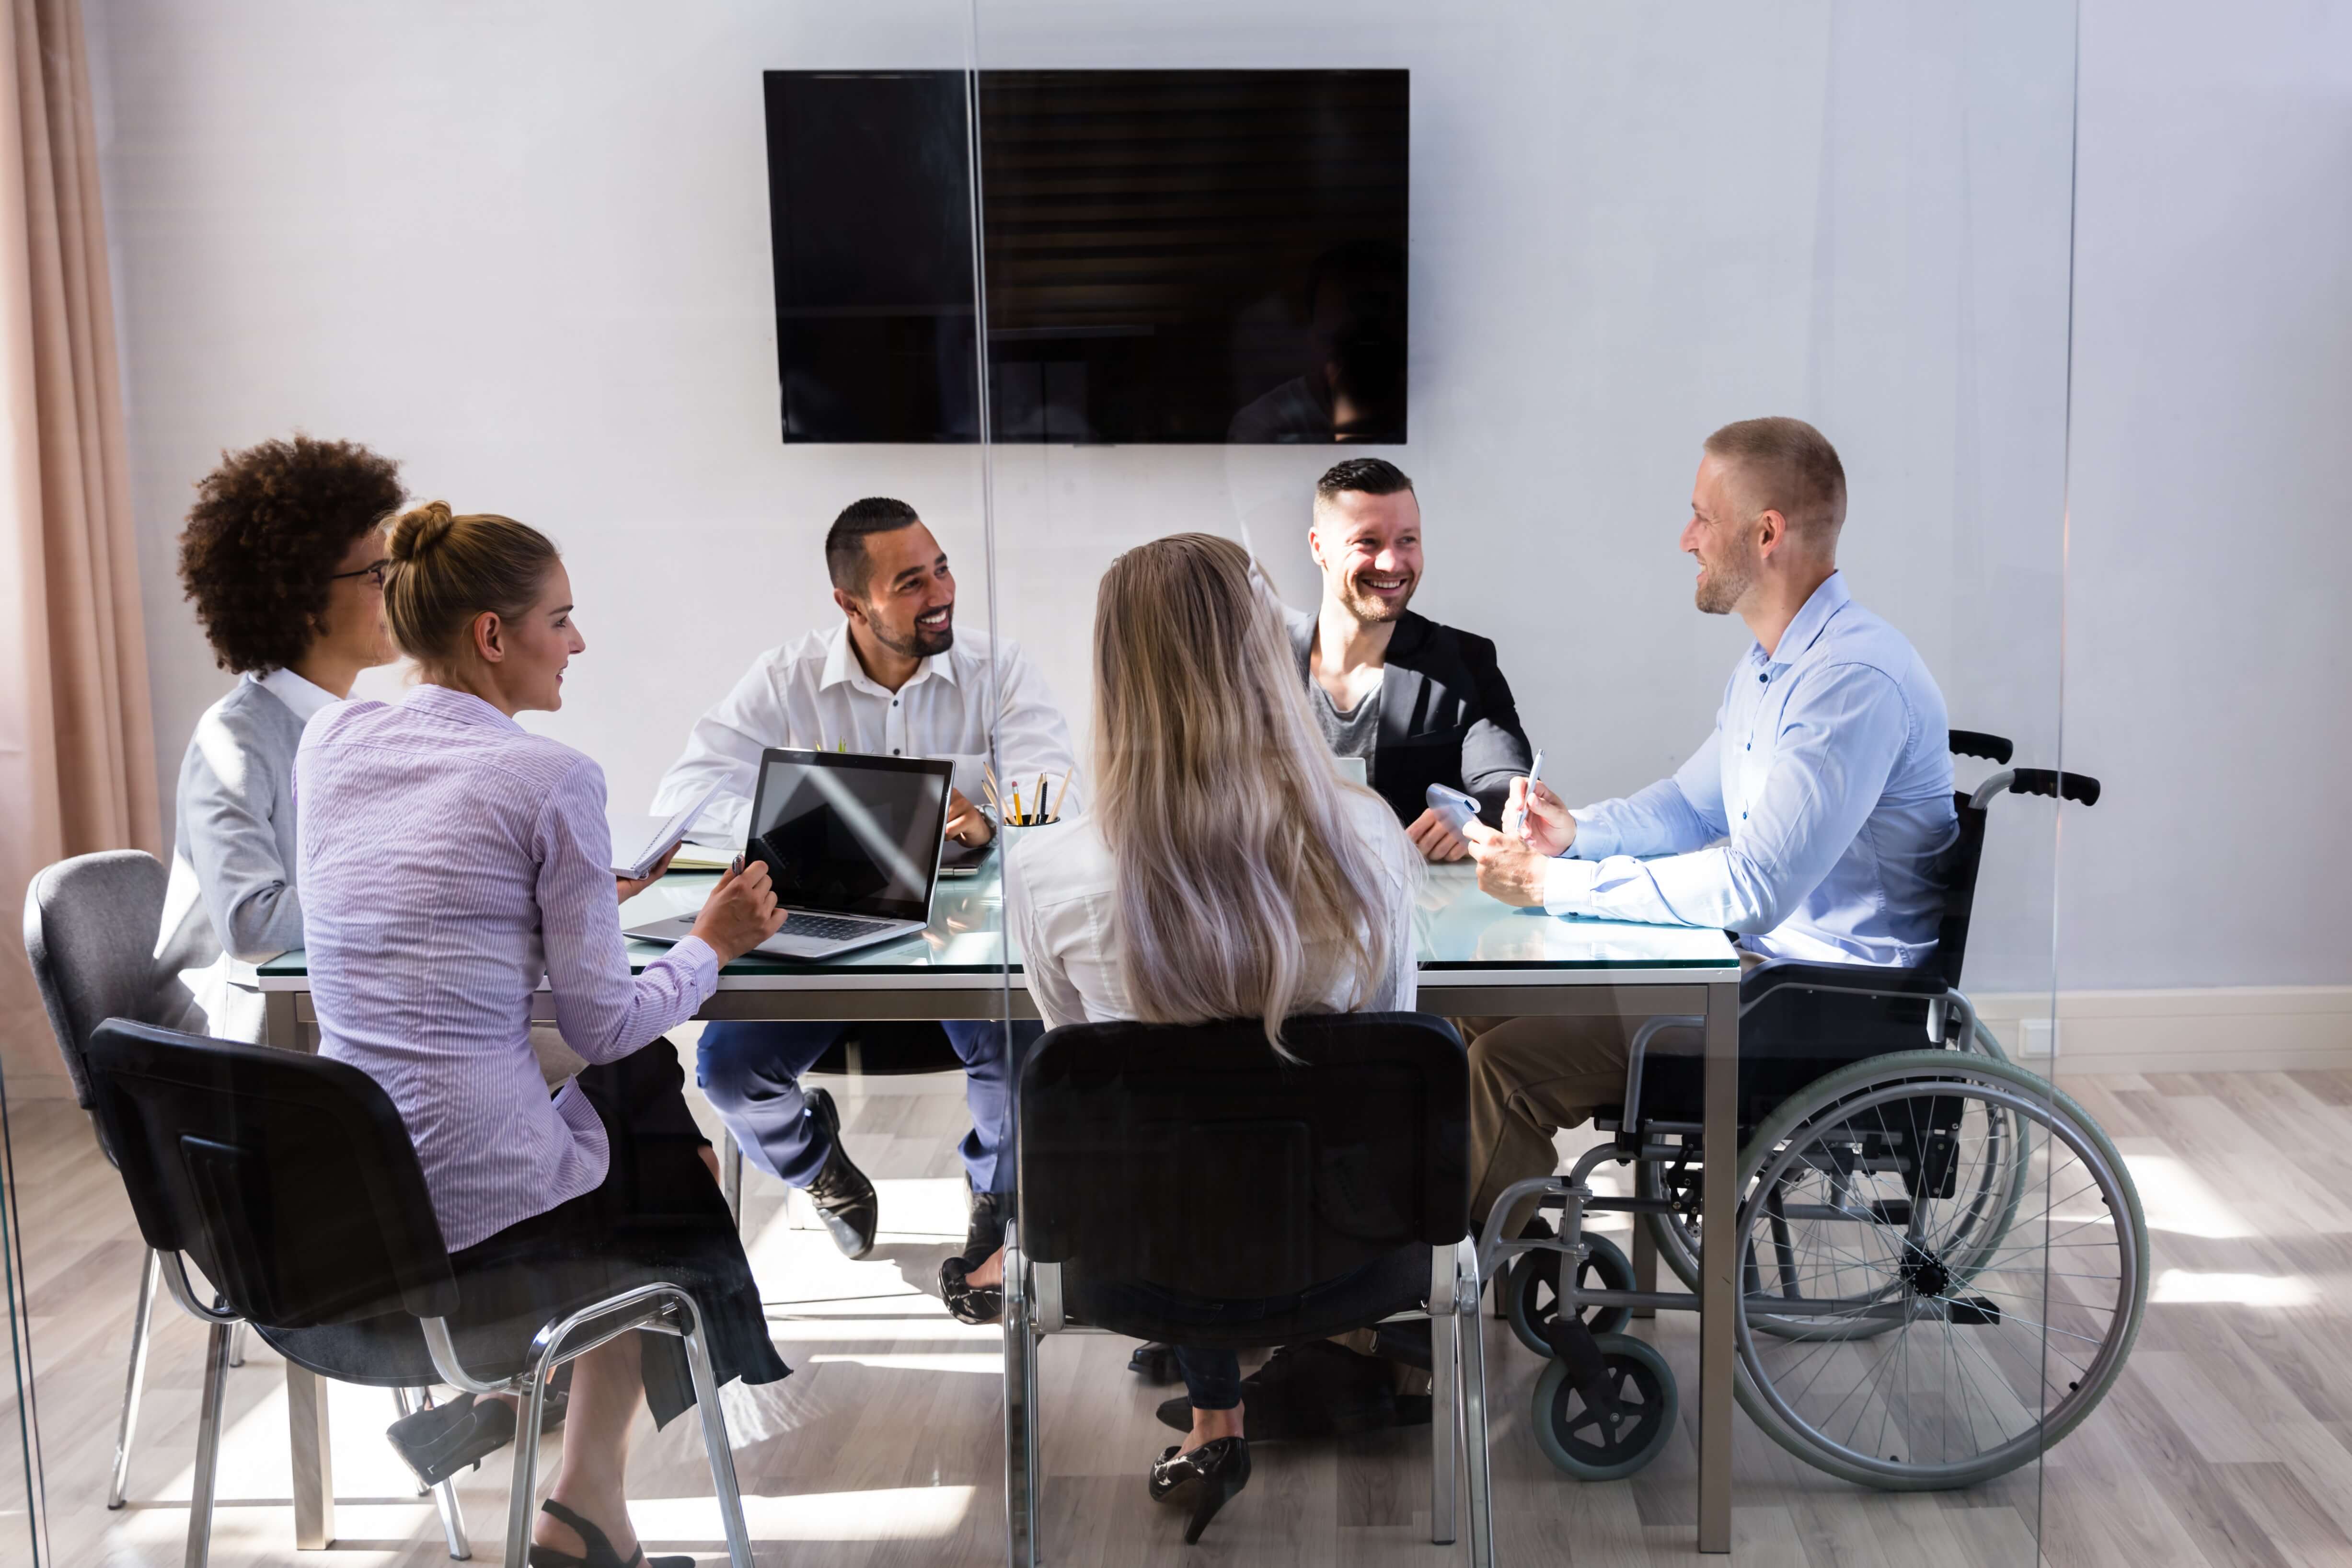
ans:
(1507, 868)
(1545, 824)
(1436, 841)
(967, 824)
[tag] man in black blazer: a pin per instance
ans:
(1419, 702)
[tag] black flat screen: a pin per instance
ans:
(855, 836)
(1182, 255)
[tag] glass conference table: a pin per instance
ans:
(1478, 958)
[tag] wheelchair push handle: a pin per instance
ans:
(2081, 788)
(1977, 743)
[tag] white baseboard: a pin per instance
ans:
(2245, 1028)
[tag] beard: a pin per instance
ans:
(1370, 608)
(1721, 587)
(915, 642)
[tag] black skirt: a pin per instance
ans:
(656, 1216)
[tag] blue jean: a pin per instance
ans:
(752, 1073)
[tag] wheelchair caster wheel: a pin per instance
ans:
(1594, 1445)
(1531, 1295)
(1154, 1363)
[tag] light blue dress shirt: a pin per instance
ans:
(1813, 823)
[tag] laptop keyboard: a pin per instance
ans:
(828, 927)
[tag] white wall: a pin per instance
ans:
(2208, 653)
(525, 248)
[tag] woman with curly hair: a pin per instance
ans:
(284, 558)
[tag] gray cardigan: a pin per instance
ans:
(232, 898)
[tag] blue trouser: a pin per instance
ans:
(752, 1073)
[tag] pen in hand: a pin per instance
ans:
(1514, 818)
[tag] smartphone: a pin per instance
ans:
(1453, 808)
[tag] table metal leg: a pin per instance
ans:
(1718, 1250)
(281, 1027)
(314, 1465)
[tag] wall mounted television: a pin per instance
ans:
(1171, 256)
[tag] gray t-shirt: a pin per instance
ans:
(1351, 734)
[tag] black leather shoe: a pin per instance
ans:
(1204, 1480)
(1315, 1390)
(845, 1199)
(1156, 1363)
(969, 1303)
(444, 1439)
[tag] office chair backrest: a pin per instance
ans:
(288, 1179)
(1194, 1157)
(91, 925)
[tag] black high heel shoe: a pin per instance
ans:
(1204, 1480)
(600, 1553)
(967, 1302)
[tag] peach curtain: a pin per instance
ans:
(76, 744)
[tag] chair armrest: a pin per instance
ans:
(1849, 978)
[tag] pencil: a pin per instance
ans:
(988, 788)
(1062, 790)
(1018, 820)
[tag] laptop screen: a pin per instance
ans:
(851, 834)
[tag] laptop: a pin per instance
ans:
(853, 845)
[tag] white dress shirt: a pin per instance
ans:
(231, 903)
(815, 695)
(1813, 822)
(1061, 887)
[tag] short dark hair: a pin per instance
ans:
(1366, 475)
(1787, 467)
(845, 542)
(262, 542)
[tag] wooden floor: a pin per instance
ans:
(2227, 1441)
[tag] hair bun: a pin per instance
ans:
(417, 532)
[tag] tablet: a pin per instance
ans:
(666, 837)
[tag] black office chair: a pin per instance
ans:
(1196, 1158)
(291, 1181)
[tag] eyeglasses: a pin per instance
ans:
(373, 572)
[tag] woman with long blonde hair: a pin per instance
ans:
(1226, 871)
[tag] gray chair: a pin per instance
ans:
(90, 930)
(91, 925)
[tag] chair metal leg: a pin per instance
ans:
(236, 1345)
(731, 1174)
(208, 1430)
(444, 1495)
(522, 1496)
(135, 1383)
(715, 1443)
(1472, 1388)
(1446, 1400)
(1020, 1411)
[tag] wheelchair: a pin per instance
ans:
(1942, 1260)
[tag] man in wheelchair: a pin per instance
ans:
(1812, 822)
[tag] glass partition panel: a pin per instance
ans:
(1525, 262)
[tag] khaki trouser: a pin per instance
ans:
(1528, 1078)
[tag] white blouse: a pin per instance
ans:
(1059, 894)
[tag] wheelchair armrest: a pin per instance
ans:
(1852, 979)
(1629, 1121)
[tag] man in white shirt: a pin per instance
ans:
(892, 679)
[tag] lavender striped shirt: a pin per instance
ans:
(448, 859)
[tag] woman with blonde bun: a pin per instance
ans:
(449, 860)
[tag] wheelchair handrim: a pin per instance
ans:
(1838, 1101)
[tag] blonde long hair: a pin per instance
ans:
(1245, 887)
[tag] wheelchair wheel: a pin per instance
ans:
(1883, 1337)
(1594, 1447)
(1534, 1290)
(1676, 1234)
